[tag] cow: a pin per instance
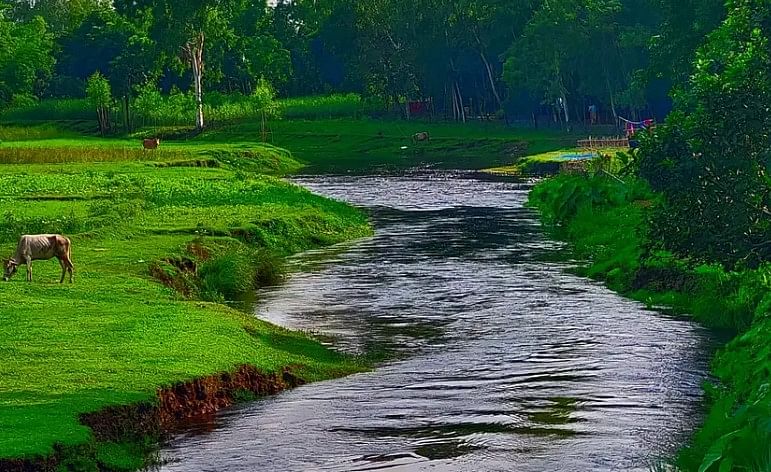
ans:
(152, 143)
(420, 137)
(42, 247)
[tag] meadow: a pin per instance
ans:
(137, 318)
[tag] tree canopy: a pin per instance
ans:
(476, 57)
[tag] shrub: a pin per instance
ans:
(235, 271)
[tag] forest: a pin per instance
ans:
(529, 62)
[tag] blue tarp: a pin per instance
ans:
(578, 156)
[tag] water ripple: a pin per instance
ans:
(505, 362)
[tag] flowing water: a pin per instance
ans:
(501, 361)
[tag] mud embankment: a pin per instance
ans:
(157, 419)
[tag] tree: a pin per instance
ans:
(100, 97)
(61, 16)
(711, 159)
(184, 29)
(26, 55)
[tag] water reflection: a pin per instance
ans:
(504, 362)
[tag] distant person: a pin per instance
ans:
(593, 114)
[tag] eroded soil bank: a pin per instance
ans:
(175, 404)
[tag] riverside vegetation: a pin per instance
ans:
(688, 226)
(607, 222)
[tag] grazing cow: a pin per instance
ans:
(420, 137)
(151, 143)
(42, 247)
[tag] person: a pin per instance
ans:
(593, 114)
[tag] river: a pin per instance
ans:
(500, 359)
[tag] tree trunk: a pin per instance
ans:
(461, 106)
(103, 116)
(564, 103)
(127, 113)
(491, 77)
(194, 49)
(455, 113)
(612, 100)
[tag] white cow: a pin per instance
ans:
(41, 247)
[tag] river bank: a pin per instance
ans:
(605, 221)
(120, 337)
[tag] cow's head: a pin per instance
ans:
(11, 267)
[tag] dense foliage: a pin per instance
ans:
(712, 158)
(461, 58)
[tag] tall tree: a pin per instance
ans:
(26, 55)
(711, 159)
(182, 29)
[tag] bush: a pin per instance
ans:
(236, 271)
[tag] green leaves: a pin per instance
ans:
(26, 56)
(709, 160)
(98, 91)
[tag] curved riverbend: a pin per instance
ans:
(503, 361)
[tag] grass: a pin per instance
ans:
(330, 134)
(546, 162)
(117, 335)
(606, 222)
(326, 107)
(247, 154)
(346, 145)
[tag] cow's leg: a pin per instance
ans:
(28, 261)
(64, 269)
(68, 264)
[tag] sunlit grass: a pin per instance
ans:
(535, 162)
(116, 335)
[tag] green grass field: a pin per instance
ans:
(117, 335)
(339, 145)
(346, 145)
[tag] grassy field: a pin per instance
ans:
(341, 145)
(117, 334)
(345, 145)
